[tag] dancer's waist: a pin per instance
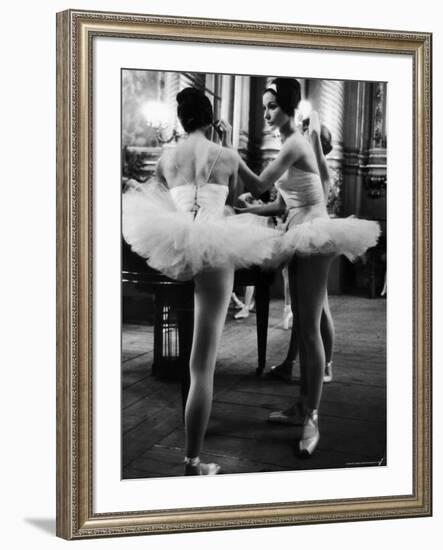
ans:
(305, 213)
(304, 205)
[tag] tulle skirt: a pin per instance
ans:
(180, 246)
(309, 230)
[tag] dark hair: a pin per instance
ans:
(288, 94)
(326, 139)
(325, 136)
(193, 109)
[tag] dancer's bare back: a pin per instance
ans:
(198, 160)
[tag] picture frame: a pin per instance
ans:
(76, 32)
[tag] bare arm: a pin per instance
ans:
(257, 185)
(321, 162)
(233, 188)
(159, 173)
(314, 136)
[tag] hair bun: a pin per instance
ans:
(288, 93)
(188, 94)
(193, 109)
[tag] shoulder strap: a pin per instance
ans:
(210, 170)
(214, 163)
(179, 172)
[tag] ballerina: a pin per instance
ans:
(311, 240)
(179, 223)
(283, 371)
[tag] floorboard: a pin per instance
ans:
(239, 437)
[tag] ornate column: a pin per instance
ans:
(365, 172)
(242, 98)
(379, 122)
(356, 143)
(365, 147)
(375, 180)
(374, 198)
(227, 85)
(328, 99)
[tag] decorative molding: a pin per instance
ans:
(378, 129)
(375, 186)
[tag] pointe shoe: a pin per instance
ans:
(282, 371)
(238, 304)
(287, 317)
(293, 416)
(310, 434)
(242, 314)
(193, 467)
(327, 377)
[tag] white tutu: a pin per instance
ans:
(323, 235)
(309, 229)
(158, 226)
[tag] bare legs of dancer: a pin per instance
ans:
(248, 305)
(211, 300)
(313, 337)
(284, 369)
(308, 278)
(328, 336)
(287, 309)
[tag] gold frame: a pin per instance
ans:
(75, 31)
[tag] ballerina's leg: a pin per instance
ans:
(311, 278)
(328, 336)
(286, 291)
(294, 413)
(284, 370)
(211, 300)
(293, 348)
(327, 330)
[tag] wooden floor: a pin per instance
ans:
(239, 438)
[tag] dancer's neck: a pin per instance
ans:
(287, 129)
(197, 135)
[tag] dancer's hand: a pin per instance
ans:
(243, 209)
(314, 123)
(245, 200)
(226, 132)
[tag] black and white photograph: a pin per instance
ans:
(253, 273)
(221, 285)
(243, 274)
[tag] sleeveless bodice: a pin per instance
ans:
(303, 195)
(299, 188)
(211, 198)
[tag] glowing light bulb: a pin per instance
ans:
(157, 114)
